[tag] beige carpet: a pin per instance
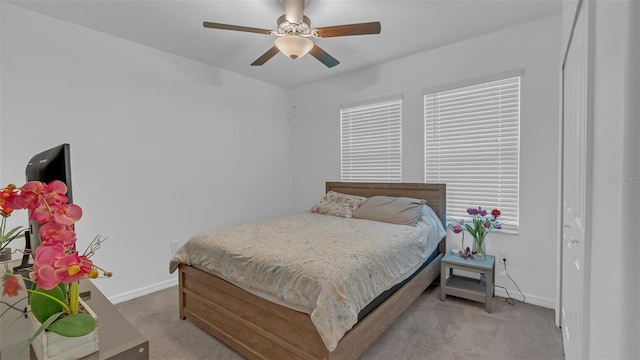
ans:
(429, 329)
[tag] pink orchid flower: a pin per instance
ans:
(41, 214)
(55, 192)
(44, 266)
(67, 214)
(54, 266)
(30, 194)
(72, 267)
(35, 194)
(11, 198)
(53, 232)
(6, 193)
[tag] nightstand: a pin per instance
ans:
(464, 287)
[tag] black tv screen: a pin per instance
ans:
(49, 165)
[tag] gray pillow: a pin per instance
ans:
(394, 210)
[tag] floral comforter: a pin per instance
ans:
(327, 266)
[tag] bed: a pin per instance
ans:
(261, 328)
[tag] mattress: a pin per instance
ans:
(329, 267)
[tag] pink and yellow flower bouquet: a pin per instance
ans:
(58, 266)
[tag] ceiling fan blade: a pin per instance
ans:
(350, 29)
(266, 56)
(328, 60)
(294, 11)
(212, 25)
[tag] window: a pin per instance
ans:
(472, 143)
(371, 141)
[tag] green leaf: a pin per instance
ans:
(43, 307)
(11, 235)
(45, 323)
(74, 325)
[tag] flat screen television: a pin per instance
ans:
(49, 165)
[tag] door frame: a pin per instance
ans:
(571, 12)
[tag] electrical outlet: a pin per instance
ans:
(174, 246)
(503, 256)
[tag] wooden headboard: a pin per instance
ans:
(434, 194)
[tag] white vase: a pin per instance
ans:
(51, 346)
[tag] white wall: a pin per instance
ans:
(162, 147)
(533, 47)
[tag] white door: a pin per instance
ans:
(576, 135)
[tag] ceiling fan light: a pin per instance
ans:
(294, 46)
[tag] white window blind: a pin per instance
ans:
(472, 143)
(371, 142)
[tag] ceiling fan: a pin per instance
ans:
(294, 30)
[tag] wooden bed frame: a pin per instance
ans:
(259, 329)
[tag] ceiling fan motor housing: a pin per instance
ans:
(286, 28)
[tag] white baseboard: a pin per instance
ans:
(143, 291)
(530, 299)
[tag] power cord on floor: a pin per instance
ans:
(509, 299)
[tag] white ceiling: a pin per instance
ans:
(408, 27)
